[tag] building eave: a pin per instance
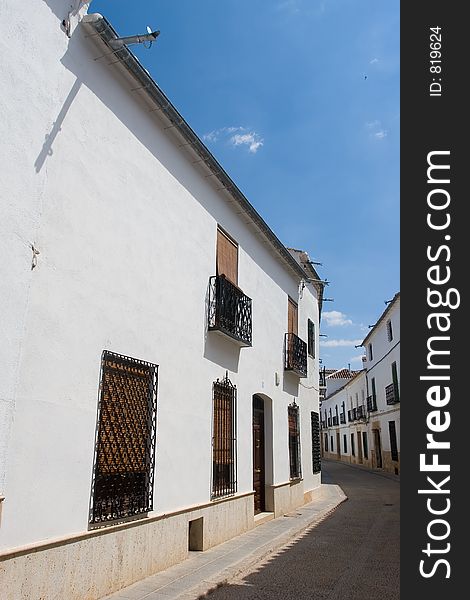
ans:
(103, 32)
(381, 318)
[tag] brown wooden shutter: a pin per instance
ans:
(227, 257)
(292, 317)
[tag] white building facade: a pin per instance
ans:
(160, 347)
(360, 420)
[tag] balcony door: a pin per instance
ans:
(227, 256)
(258, 454)
(292, 317)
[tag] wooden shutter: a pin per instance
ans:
(227, 257)
(292, 317)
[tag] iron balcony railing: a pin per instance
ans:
(329, 421)
(229, 310)
(352, 415)
(342, 418)
(295, 355)
(335, 421)
(323, 424)
(391, 396)
(371, 403)
(361, 412)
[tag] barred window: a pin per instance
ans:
(294, 441)
(393, 440)
(316, 454)
(389, 331)
(311, 338)
(125, 439)
(224, 480)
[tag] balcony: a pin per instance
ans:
(335, 421)
(229, 310)
(352, 415)
(329, 421)
(371, 403)
(342, 418)
(391, 394)
(361, 412)
(295, 355)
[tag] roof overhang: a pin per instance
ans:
(99, 29)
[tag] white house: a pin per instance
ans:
(360, 420)
(159, 343)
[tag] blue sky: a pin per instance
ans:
(299, 101)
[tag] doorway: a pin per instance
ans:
(378, 448)
(258, 455)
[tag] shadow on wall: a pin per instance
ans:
(90, 64)
(222, 351)
(290, 383)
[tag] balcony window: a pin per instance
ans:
(390, 394)
(371, 404)
(229, 310)
(295, 355)
(360, 413)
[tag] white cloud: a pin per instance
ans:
(356, 359)
(335, 318)
(376, 130)
(236, 136)
(252, 140)
(374, 61)
(213, 136)
(339, 343)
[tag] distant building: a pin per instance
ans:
(159, 343)
(360, 418)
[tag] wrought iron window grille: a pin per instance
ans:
(371, 403)
(294, 441)
(224, 443)
(230, 310)
(295, 355)
(391, 395)
(361, 413)
(124, 461)
(316, 451)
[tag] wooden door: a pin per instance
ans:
(378, 448)
(258, 454)
(338, 444)
(292, 317)
(359, 447)
(227, 257)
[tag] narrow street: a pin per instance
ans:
(352, 555)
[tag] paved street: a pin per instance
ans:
(351, 555)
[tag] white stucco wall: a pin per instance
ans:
(126, 230)
(385, 352)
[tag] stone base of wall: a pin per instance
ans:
(388, 465)
(94, 564)
(284, 497)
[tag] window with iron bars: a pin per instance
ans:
(316, 453)
(224, 467)
(124, 462)
(311, 338)
(294, 441)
